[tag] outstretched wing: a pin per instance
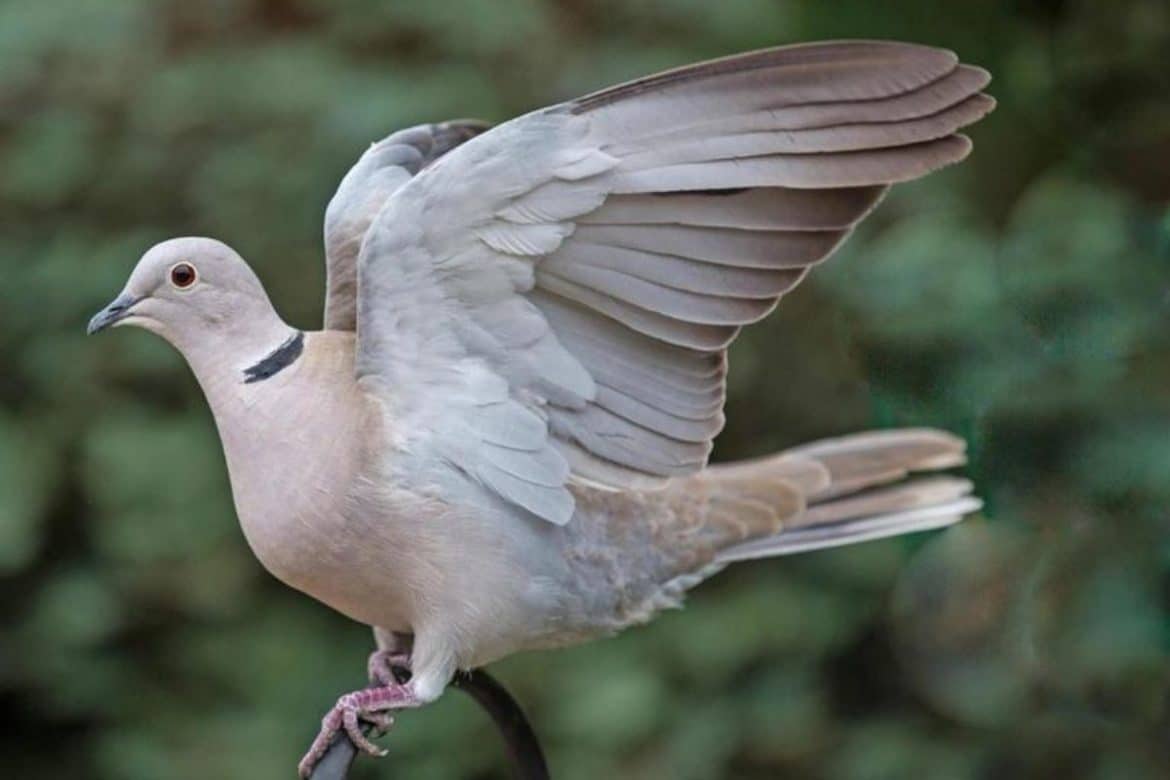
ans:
(553, 299)
(386, 166)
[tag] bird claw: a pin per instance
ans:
(372, 706)
(352, 717)
(381, 721)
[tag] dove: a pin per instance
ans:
(498, 441)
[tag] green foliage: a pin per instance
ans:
(1019, 299)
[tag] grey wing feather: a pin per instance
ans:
(385, 166)
(640, 228)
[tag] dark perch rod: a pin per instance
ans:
(520, 740)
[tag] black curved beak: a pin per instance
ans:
(118, 308)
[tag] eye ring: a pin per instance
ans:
(183, 275)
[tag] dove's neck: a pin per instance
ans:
(290, 418)
(239, 352)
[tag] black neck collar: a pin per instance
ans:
(277, 360)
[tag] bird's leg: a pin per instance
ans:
(387, 667)
(370, 705)
(405, 673)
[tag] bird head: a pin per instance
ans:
(185, 286)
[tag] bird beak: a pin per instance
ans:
(118, 308)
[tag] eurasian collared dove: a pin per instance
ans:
(498, 441)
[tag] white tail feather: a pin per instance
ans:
(819, 537)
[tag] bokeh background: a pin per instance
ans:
(1021, 299)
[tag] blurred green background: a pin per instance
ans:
(1021, 299)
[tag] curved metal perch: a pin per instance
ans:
(520, 740)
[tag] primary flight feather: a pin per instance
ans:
(499, 440)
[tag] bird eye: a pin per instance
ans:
(183, 275)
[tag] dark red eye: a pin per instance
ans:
(183, 275)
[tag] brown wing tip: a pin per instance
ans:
(465, 127)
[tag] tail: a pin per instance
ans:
(854, 489)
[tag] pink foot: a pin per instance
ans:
(372, 705)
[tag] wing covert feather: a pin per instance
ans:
(385, 166)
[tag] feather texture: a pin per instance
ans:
(855, 488)
(715, 245)
(844, 169)
(764, 208)
(598, 257)
(385, 167)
